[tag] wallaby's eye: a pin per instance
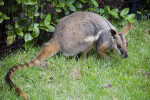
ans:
(118, 46)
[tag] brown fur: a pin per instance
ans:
(126, 29)
(102, 49)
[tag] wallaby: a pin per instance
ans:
(76, 33)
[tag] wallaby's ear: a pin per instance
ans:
(126, 29)
(113, 32)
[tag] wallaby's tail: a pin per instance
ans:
(49, 49)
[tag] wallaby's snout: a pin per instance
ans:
(126, 56)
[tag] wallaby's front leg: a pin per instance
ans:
(84, 54)
(102, 50)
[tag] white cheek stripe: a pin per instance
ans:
(93, 38)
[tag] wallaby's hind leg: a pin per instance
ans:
(84, 54)
(102, 49)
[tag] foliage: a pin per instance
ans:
(31, 18)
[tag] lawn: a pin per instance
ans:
(62, 78)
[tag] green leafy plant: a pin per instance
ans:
(31, 19)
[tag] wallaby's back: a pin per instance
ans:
(72, 31)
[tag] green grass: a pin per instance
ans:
(83, 79)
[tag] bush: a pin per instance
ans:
(31, 19)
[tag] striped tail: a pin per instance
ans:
(49, 49)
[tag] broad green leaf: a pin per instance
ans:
(16, 25)
(9, 27)
(124, 11)
(106, 15)
(1, 2)
(130, 18)
(52, 29)
(42, 16)
(47, 19)
(19, 31)
(71, 1)
(67, 12)
(101, 11)
(60, 5)
(78, 5)
(1, 13)
(19, 1)
(35, 32)
(83, 1)
(72, 8)
(10, 33)
(29, 2)
(44, 28)
(91, 9)
(1, 20)
(58, 9)
(3, 16)
(115, 10)
(94, 3)
(30, 28)
(24, 22)
(35, 24)
(10, 38)
(65, 8)
(69, 5)
(115, 14)
(28, 37)
(107, 9)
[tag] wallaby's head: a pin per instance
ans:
(119, 40)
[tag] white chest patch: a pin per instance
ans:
(93, 38)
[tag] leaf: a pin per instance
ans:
(47, 19)
(69, 5)
(94, 3)
(60, 5)
(67, 12)
(71, 1)
(3, 16)
(115, 14)
(65, 8)
(83, 1)
(28, 37)
(16, 25)
(78, 5)
(51, 29)
(35, 32)
(42, 16)
(72, 8)
(58, 9)
(106, 15)
(30, 2)
(107, 9)
(1, 20)
(1, 13)
(115, 10)
(1, 2)
(101, 11)
(9, 27)
(124, 11)
(19, 31)
(130, 18)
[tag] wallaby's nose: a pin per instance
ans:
(126, 56)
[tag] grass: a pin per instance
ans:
(61, 78)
